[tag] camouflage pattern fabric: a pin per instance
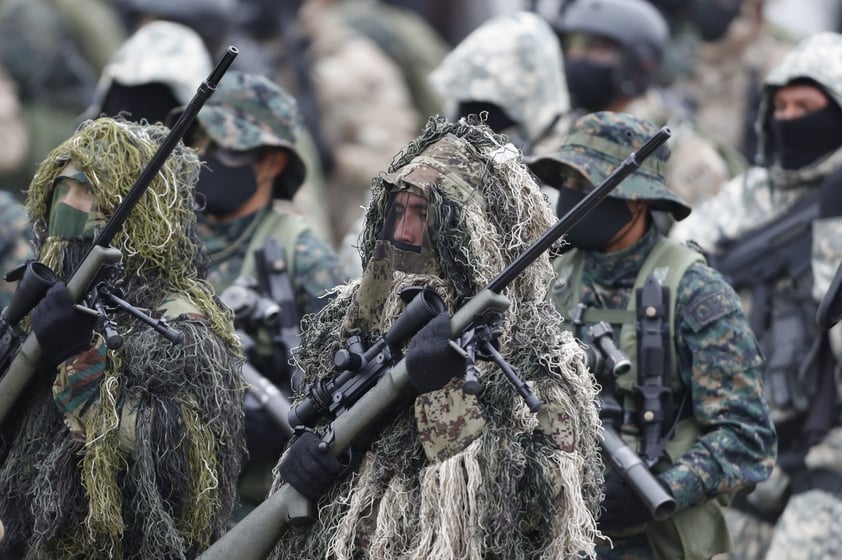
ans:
(597, 144)
(513, 61)
(15, 238)
(317, 268)
(249, 111)
(158, 52)
(718, 359)
(763, 194)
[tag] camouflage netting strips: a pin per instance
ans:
(153, 474)
(517, 490)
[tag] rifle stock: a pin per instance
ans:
(22, 368)
(256, 534)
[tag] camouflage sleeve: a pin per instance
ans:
(317, 270)
(720, 363)
(15, 234)
(826, 253)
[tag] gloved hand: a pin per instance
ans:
(61, 329)
(830, 197)
(430, 361)
(621, 508)
(308, 469)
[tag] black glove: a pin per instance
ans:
(621, 508)
(830, 197)
(61, 329)
(430, 361)
(309, 469)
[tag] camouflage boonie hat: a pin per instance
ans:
(597, 144)
(248, 111)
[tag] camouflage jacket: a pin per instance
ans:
(316, 267)
(719, 364)
(15, 234)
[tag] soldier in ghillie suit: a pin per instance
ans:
(709, 434)
(131, 452)
(453, 475)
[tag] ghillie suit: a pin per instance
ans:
(453, 475)
(129, 453)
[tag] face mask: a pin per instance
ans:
(226, 189)
(712, 19)
(591, 84)
(802, 141)
(66, 221)
(595, 230)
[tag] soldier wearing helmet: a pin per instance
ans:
(613, 50)
(713, 435)
(247, 136)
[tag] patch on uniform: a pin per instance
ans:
(708, 309)
(448, 421)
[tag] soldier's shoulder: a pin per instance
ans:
(704, 297)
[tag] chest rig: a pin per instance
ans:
(656, 412)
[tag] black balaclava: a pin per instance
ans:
(225, 188)
(592, 85)
(801, 141)
(152, 101)
(712, 19)
(595, 230)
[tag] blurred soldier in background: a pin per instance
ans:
(712, 435)
(613, 50)
(511, 68)
(53, 50)
(353, 99)
(784, 219)
(260, 250)
(718, 55)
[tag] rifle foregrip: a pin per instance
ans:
(629, 466)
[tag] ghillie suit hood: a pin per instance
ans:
(147, 468)
(458, 476)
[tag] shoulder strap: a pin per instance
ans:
(286, 228)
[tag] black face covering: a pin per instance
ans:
(225, 188)
(802, 141)
(595, 230)
(152, 101)
(712, 19)
(591, 84)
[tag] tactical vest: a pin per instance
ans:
(286, 228)
(698, 531)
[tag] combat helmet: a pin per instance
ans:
(597, 144)
(635, 25)
(249, 111)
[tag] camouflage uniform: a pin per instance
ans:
(15, 235)
(246, 112)
(717, 359)
(759, 197)
(520, 485)
(700, 164)
(514, 62)
(149, 434)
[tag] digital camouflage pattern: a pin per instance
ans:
(717, 356)
(15, 238)
(513, 61)
(597, 144)
(762, 195)
(455, 475)
(162, 52)
(250, 111)
(315, 267)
